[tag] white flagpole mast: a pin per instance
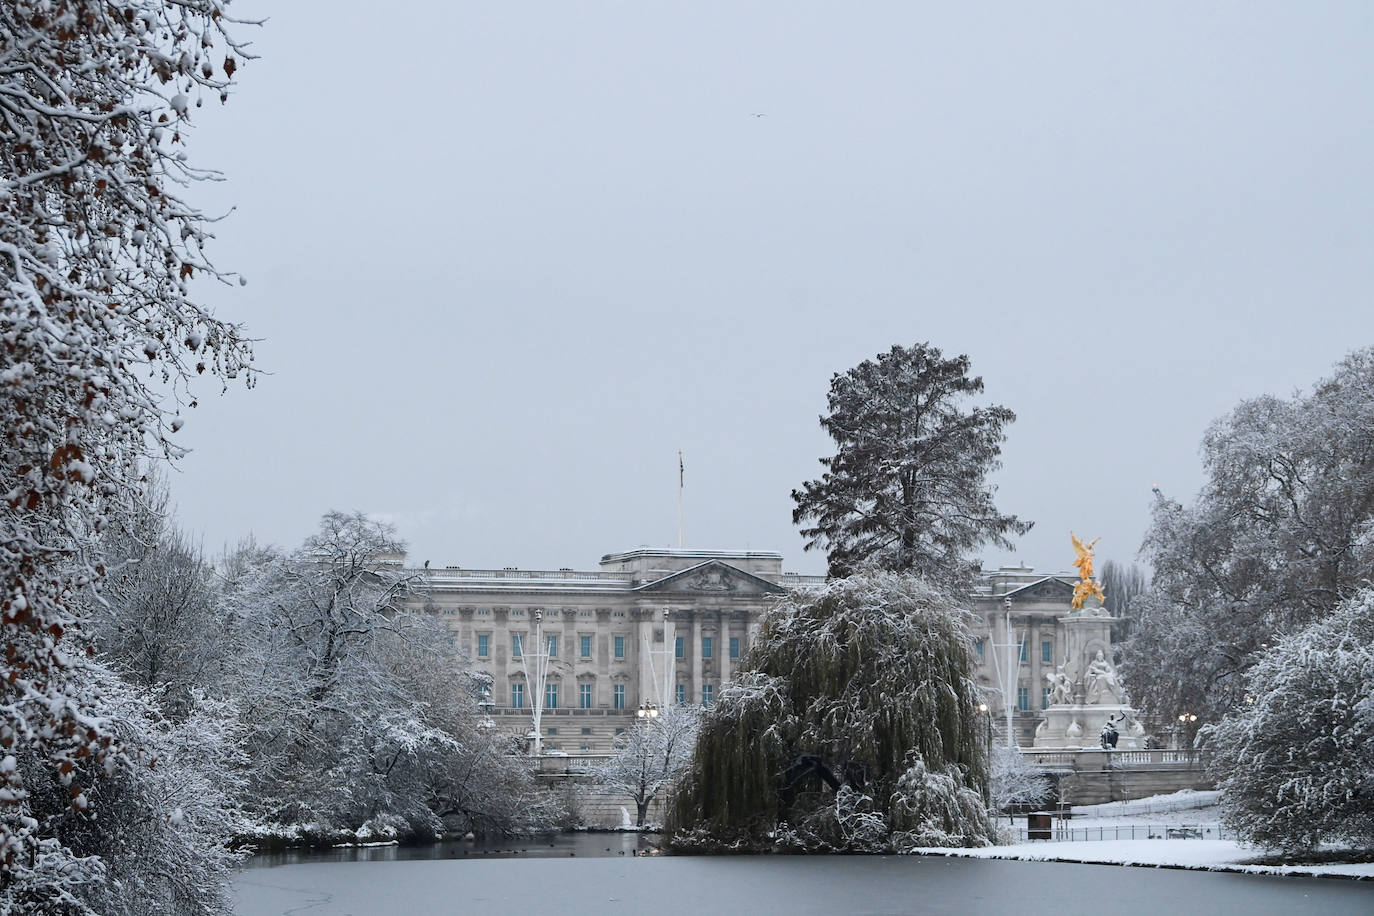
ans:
(681, 476)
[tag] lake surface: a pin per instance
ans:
(387, 880)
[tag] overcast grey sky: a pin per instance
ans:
(507, 258)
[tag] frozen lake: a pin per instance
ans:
(387, 881)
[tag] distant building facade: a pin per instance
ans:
(610, 653)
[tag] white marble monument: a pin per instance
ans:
(1086, 693)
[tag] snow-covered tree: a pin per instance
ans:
(1295, 762)
(361, 715)
(1124, 585)
(907, 488)
(100, 336)
(156, 837)
(1014, 781)
(853, 725)
(160, 622)
(650, 755)
(1282, 530)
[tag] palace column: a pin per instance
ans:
(694, 690)
(723, 650)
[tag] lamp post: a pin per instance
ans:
(1185, 724)
(662, 682)
(647, 710)
(537, 679)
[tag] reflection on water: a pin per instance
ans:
(556, 845)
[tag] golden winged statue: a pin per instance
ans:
(1086, 587)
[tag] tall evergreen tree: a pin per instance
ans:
(907, 488)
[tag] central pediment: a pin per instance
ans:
(712, 578)
(1050, 588)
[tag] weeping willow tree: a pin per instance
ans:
(853, 726)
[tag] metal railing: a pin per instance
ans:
(1065, 834)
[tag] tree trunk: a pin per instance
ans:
(643, 807)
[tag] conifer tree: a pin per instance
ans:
(907, 487)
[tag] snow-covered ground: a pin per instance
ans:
(1154, 815)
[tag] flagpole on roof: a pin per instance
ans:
(681, 476)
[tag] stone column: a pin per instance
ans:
(724, 649)
(694, 689)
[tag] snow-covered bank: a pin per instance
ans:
(1207, 855)
(1150, 814)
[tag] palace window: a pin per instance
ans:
(550, 696)
(978, 648)
(1023, 698)
(1046, 651)
(1023, 651)
(517, 695)
(585, 644)
(620, 647)
(483, 645)
(682, 694)
(553, 731)
(586, 731)
(1044, 698)
(553, 647)
(707, 647)
(517, 643)
(707, 694)
(618, 694)
(734, 647)
(584, 696)
(679, 648)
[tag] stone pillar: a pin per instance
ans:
(694, 689)
(724, 650)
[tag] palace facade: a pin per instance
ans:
(660, 626)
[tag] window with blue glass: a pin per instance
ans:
(682, 694)
(1044, 698)
(1023, 651)
(618, 693)
(550, 696)
(707, 694)
(734, 647)
(978, 647)
(516, 645)
(553, 647)
(586, 646)
(707, 646)
(1046, 651)
(1023, 698)
(483, 645)
(517, 695)
(680, 648)
(584, 696)
(620, 647)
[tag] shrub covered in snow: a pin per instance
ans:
(853, 726)
(1295, 763)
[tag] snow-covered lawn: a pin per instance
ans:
(1179, 808)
